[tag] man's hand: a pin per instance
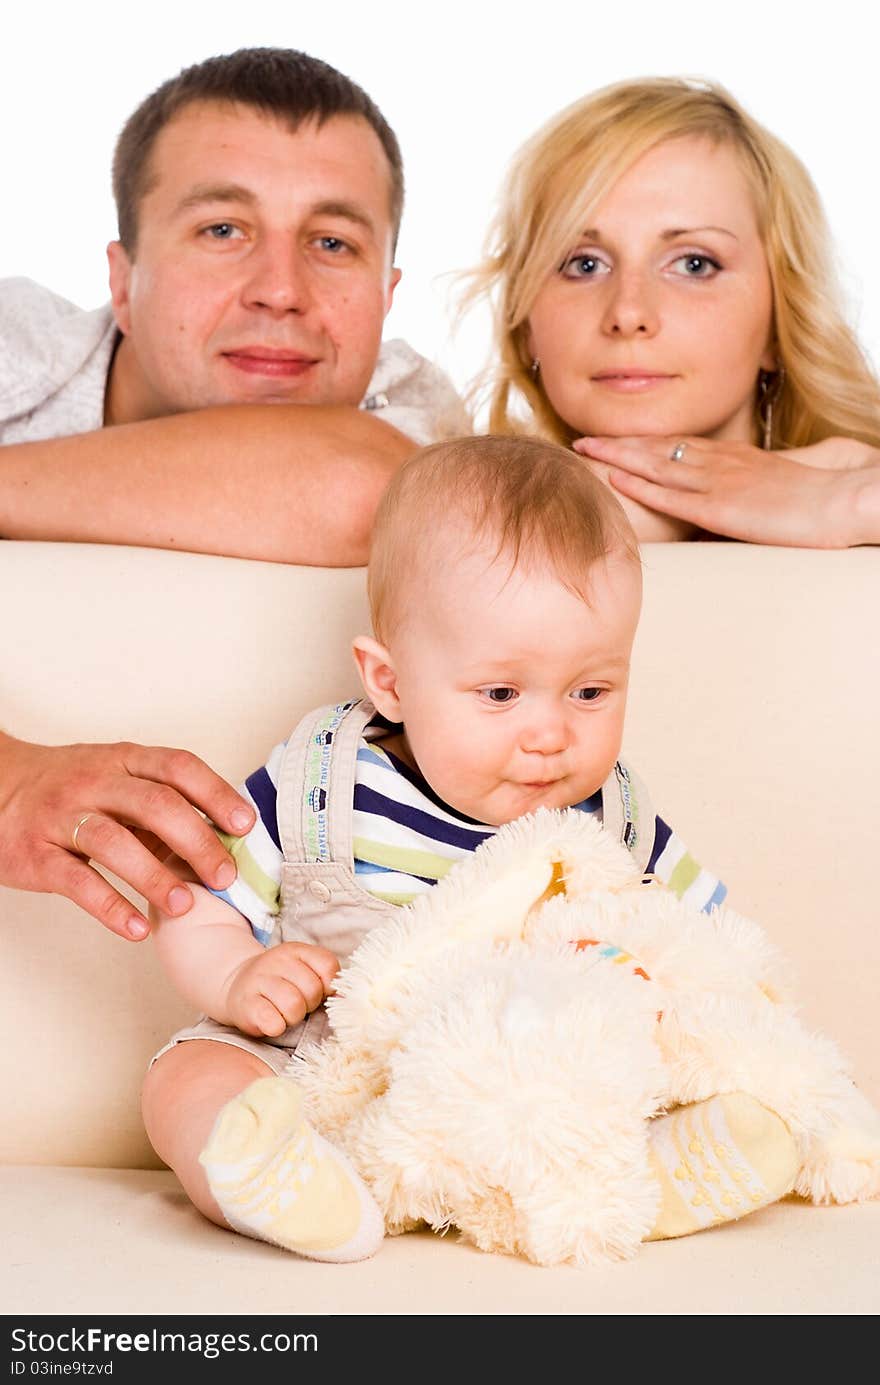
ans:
(279, 987)
(131, 807)
(806, 497)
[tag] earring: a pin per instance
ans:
(534, 368)
(770, 384)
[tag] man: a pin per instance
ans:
(259, 198)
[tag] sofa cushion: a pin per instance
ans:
(102, 1242)
(753, 717)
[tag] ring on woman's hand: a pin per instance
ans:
(75, 833)
(677, 453)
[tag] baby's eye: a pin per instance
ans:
(697, 266)
(499, 696)
(583, 266)
(587, 694)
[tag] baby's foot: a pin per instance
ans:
(276, 1179)
(718, 1160)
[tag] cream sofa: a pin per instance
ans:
(754, 717)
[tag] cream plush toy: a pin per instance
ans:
(499, 1050)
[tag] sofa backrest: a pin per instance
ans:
(753, 716)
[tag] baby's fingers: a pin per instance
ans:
(276, 1006)
(312, 968)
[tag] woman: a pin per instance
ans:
(661, 278)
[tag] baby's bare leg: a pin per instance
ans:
(235, 1135)
(184, 1093)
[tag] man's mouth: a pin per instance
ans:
(270, 360)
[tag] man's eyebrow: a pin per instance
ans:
(349, 211)
(215, 192)
(204, 193)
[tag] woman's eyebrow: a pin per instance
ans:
(593, 233)
(693, 230)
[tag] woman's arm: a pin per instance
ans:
(825, 496)
(283, 483)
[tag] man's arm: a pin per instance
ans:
(282, 483)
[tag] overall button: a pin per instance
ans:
(320, 891)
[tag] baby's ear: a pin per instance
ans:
(378, 675)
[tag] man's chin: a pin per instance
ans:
(262, 391)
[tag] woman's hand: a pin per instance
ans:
(650, 526)
(823, 496)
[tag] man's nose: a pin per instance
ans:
(279, 277)
(631, 309)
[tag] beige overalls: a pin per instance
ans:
(322, 900)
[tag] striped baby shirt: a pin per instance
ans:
(405, 839)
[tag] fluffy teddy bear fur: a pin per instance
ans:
(499, 1049)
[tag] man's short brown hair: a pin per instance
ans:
(280, 82)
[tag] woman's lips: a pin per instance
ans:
(631, 381)
(263, 361)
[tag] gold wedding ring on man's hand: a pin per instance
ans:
(678, 451)
(75, 833)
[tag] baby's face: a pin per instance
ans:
(512, 690)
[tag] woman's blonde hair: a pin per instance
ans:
(568, 166)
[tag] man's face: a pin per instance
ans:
(262, 271)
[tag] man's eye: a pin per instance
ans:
(697, 266)
(588, 694)
(333, 243)
(583, 267)
(222, 230)
(499, 696)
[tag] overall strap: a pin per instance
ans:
(316, 783)
(627, 812)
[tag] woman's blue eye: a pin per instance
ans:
(582, 267)
(222, 231)
(698, 266)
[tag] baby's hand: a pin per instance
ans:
(278, 988)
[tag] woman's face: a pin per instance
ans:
(660, 316)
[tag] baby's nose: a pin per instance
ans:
(546, 735)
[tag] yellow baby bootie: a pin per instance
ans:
(718, 1160)
(276, 1179)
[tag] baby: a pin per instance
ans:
(505, 590)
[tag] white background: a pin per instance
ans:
(461, 83)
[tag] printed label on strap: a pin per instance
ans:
(630, 805)
(316, 782)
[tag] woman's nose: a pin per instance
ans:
(631, 309)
